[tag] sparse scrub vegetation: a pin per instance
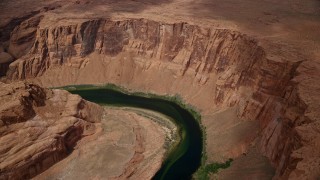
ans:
(205, 169)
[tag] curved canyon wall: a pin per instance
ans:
(212, 69)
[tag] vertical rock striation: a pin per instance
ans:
(235, 69)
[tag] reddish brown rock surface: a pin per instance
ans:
(251, 67)
(129, 145)
(39, 127)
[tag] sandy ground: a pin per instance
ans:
(231, 136)
(291, 24)
(128, 146)
(242, 167)
(287, 30)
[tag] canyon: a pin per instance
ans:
(39, 127)
(257, 90)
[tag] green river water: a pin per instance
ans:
(183, 159)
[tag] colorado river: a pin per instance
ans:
(185, 158)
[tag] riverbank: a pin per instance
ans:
(185, 159)
(166, 123)
(126, 145)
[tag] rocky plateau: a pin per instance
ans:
(39, 127)
(250, 70)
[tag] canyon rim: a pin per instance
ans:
(250, 68)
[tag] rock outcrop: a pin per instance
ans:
(17, 34)
(212, 69)
(39, 127)
(5, 60)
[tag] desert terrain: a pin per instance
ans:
(129, 146)
(251, 68)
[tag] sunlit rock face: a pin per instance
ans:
(247, 96)
(39, 127)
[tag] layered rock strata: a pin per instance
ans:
(212, 69)
(129, 146)
(17, 34)
(39, 127)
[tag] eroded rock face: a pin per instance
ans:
(180, 43)
(23, 36)
(5, 60)
(212, 69)
(39, 127)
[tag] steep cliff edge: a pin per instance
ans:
(212, 69)
(39, 127)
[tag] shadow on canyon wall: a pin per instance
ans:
(11, 18)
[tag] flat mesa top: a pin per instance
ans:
(289, 22)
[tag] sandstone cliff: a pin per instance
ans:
(213, 69)
(39, 127)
